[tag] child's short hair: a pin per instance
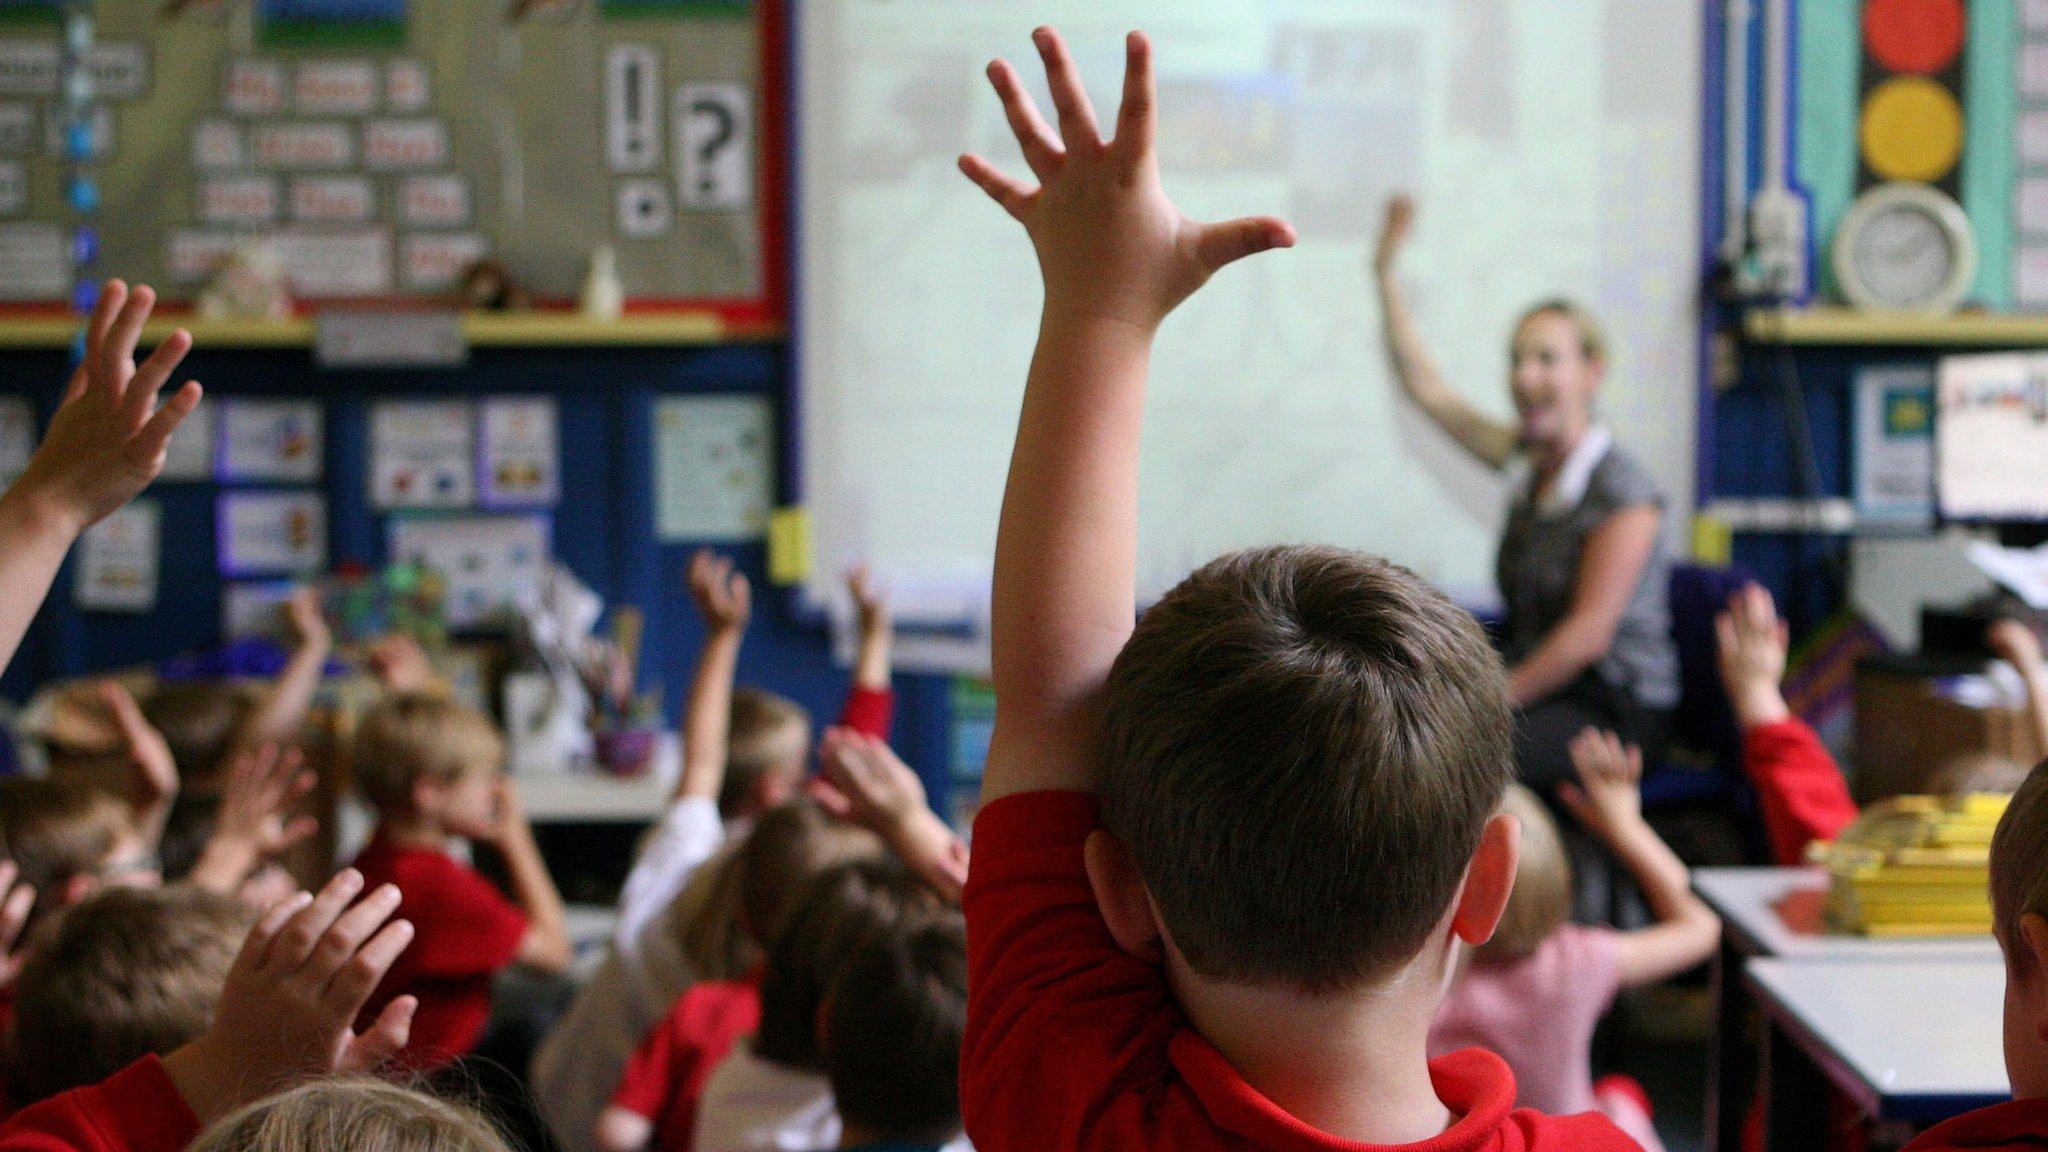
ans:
(893, 1032)
(124, 973)
(768, 733)
(406, 739)
(199, 720)
(1541, 900)
(2019, 861)
(841, 911)
(1303, 746)
(357, 1113)
(741, 901)
(54, 829)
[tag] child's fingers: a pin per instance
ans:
(127, 713)
(345, 936)
(1000, 188)
(1041, 151)
(14, 913)
(295, 943)
(1725, 636)
(365, 968)
(1575, 802)
(384, 1039)
(1219, 244)
(1137, 114)
(296, 832)
(1077, 116)
(117, 353)
(257, 946)
(155, 436)
(113, 295)
(155, 372)
(1635, 764)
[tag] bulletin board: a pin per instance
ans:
(381, 146)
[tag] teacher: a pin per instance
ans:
(1584, 563)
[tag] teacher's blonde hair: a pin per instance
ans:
(1592, 333)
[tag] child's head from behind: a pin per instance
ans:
(1304, 749)
(739, 904)
(124, 973)
(893, 1030)
(356, 1113)
(2019, 915)
(768, 742)
(69, 838)
(422, 756)
(1542, 897)
(839, 913)
(199, 721)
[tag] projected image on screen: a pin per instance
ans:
(1553, 149)
(1991, 437)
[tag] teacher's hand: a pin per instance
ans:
(1394, 232)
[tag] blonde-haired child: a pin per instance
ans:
(358, 1113)
(1534, 993)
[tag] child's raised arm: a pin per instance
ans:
(1608, 800)
(874, 788)
(546, 945)
(725, 601)
(264, 782)
(104, 445)
(282, 711)
(156, 770)
(1116, 256)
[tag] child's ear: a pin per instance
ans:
(1120, 894)
(1488, 880)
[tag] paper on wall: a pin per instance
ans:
(195, 253)
(491, 563)
(434, 201)
(255, 88)
(218, 144)
(99, 134)
(632, 108)
(335, 88)
(519, 458)
(644, 209)
(336, 261)
(332, 199)
(714, 466)
(28, 67)
(1894, 462)
(255, 608)
(117, 560)
(17, 436)
(35, 262)
(17, 128)
(13, 187)
(430, 261)
(270, 439)
(392, 145)
(250, 201)
(303, 145)
(714, 130)
(1992, 437)
(422, 454)
(190, 455)
(406, 87)
(263, 533)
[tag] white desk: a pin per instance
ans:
(592, 797)
(1747, 900)
(1918, 1041)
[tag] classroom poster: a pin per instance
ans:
(190, 455)
(1894, 461)
(423, 454)
(1992, 437)
(492, 564)
(117, 560)
(714, 467)
(269, 440)
(255, 608)
(17, 436)
(519, 459)
(268, 533)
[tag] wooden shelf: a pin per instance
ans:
(482, 329)
(1846, 326)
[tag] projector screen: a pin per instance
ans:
(1553, 149)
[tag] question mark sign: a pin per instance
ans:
(720, 136)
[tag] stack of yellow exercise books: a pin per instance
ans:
(1914, 866)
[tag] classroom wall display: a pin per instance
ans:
(1894, 459)
(269, 440)
(492, 563)
(518, 452)
(714, 467)
(423, 454)
(266, 533)
(117, 560)
(384, 144)
(190, 454)
(17, 436)
(255, 608)
(1991, 437)
(1553, 149)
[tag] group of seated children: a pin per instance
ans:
(1250, 872)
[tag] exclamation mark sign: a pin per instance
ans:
(633, 108)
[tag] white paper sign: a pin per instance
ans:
(262, 533)
(219, 144)
(270, 439)
(335, 88)
(190, 454)
(406, 88)
(714, 467)
(336, 262)
(119, 69)
(313, 144)
(13, 187)
(1992, 437)
(117, 560)
(17, 129)
(432, 261)
(255, 88)
(17, 436)
(422, 454)
(28, 67)
(255, 608)
(434, 201)
(632, 108)
(2034, 15)
(332, 199)
(1895, 442)
(2033, 204)
(246, 200)
(393, 145)
(714, 128)
(519, 462)
(194, 253)
(35, 262)
(644, 209)
(491, 563)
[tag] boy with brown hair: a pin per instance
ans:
(2019, 918)
(127, 972)
(1228, 860)
(434, 771)
(892, 1037)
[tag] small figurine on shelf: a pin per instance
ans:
(604, 297)
(248, 285)
(488, 286)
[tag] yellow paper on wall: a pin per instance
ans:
(1713, 541)
(789, 545)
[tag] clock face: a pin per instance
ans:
(1903, 256)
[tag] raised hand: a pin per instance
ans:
(263, 783)
(723, 596)
(2017, 645)
(872, 786)
(1110, 244)
(1608, 799)
(1394, 232)
(107, 440)
(18, 901)
(1753, 644)
(308, 619)
(399, 665)
(156, 770)
(870, 602)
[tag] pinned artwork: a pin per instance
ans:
(269, 533)
(520, 458)
(17, 128)
(714, 467)
(247, 201)
(270, 440)
(219, 144)
(422, 454)
(491, 564)
(332, 199)
(404, 145)
(118, 560)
